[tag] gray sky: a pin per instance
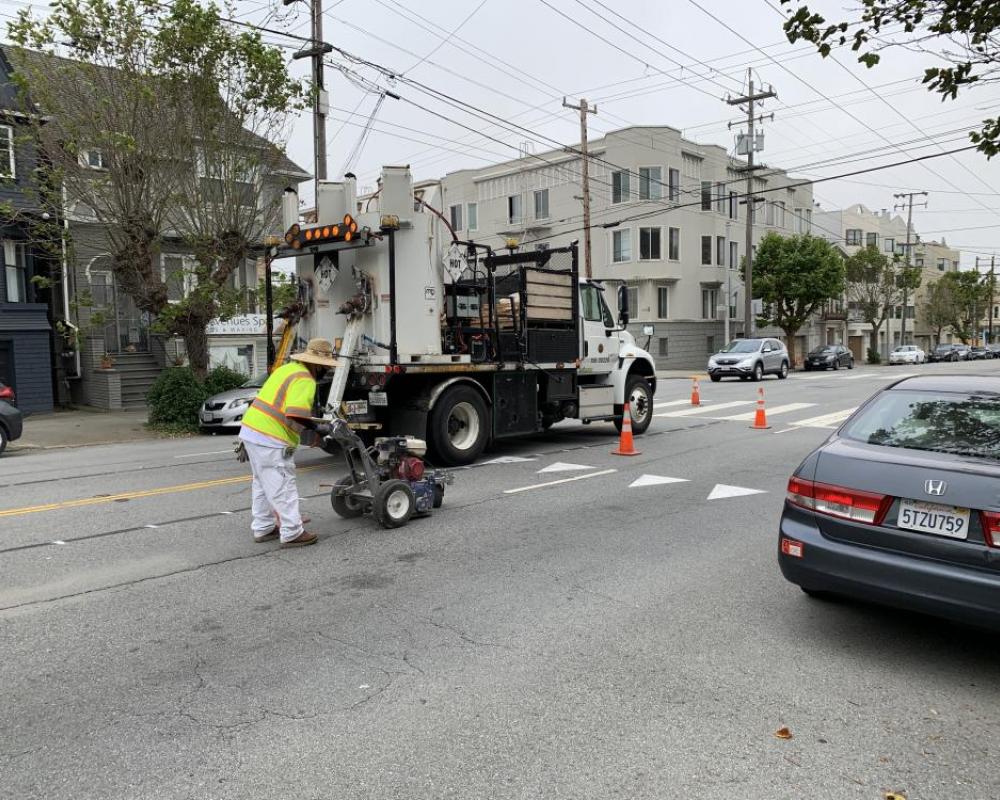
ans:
(517, 58)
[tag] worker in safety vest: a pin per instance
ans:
(271, 431)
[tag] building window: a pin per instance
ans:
(720, 251)
(720, 198)
(853, 234)
(177, 272)
(6, 148)
(620, 187)
(662, 302)
(15, 271)
(649, 244)
(889, 244)
(650, 183)
(664, 348)
(456, 217)
(93, 159)
(769, 213)
(871, 239)
(674, 244)
(710, 345)
(621, 246)
(472, 212)
(706, 195)
(779, 214)
(709, 300)
(734, 255)
(514, 209)
(920, 261)
(542, 204)
(734, 205)
(674, 185)
(706, 250)
(942, 264)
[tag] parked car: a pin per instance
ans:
(899, 506)
(907, 354)
(6, 393)
(749, 359)
(963, 351)
(829, 356)
(225, 410)
(979, 353)
(995, 349)
(945, 352)
(11, 423)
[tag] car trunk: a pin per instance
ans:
(902, 474)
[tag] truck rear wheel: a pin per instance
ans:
(640, 403)
(458, 426)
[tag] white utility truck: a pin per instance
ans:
(448, 340)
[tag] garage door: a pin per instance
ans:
(7, 364)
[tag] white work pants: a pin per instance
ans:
(274, 491)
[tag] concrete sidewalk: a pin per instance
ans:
(82, 426)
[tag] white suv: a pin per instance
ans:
(749, 359)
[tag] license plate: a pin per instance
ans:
(951, 521)
(378, 399)
(356, 408)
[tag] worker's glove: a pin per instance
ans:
(241, 452)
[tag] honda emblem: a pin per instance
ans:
(935, 488)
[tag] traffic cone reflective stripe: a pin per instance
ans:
(626, 447)
(760, 418)
(695, 394)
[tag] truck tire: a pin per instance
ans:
(640, 401)
(394, 504)
(344, 505)
(458, 427)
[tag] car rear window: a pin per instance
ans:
(963, 424)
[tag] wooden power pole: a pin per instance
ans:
(749, 98)
(584, 109)
(909, 228)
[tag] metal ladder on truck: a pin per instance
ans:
(345, 356)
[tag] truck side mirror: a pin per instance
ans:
(623, 309)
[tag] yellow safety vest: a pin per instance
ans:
(290, 390)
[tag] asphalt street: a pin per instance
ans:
(571, 624)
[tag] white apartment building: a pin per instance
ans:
(666, 217)
(857, 226)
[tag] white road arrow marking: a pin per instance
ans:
(561, 466)
(509, 460)
(654, 480)
(722, 491)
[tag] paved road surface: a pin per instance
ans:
(571, 624)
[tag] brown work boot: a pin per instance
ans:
(272, 534)
(303, 539)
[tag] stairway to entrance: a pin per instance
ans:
(138, 371)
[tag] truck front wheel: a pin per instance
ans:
(640, 404)
(458, 426)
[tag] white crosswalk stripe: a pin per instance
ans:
(688, 412)
(788, 408)
(825, 421)
(672, 403)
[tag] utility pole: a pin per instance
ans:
(316, 49)
(750, 98)
(989, 310)
(584, 109)
(909, 228)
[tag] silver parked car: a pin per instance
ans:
(225, 410)
(749, 359)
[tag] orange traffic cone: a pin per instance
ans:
(760, 418)
(626, 447)
(695, 394)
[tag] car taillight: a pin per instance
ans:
(6, 393)
(991, 528)
(838, 501)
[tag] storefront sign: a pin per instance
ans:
(243, 325)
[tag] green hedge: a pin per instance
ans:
(177, 394)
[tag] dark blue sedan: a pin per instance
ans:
(901, 505)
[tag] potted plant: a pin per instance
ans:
(107, 362)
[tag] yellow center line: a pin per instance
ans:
(111, 498)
